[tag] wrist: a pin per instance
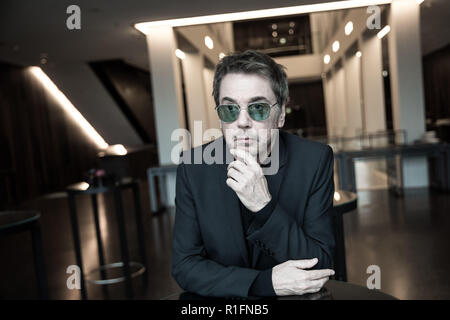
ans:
(264, 205)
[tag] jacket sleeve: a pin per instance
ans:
(282, 237)
(191, 268)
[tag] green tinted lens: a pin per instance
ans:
(259, 111)
(228, 112)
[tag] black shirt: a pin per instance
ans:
(262, 286)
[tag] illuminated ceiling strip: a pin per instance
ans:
(69, 107)
(144, 27)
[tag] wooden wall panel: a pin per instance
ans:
(39, 142)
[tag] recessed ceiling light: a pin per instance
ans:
(274, 34)
(359, 54)
(348, 28)
(221, 55)
(180, 54)
(209, 42)
(335, 46)
(326, 59)
(383, 32)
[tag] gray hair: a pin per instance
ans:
(253, 62)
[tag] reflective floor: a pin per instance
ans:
(408, 238)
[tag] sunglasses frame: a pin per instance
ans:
(239, 108)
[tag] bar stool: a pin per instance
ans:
(12, 222)
(125, 264)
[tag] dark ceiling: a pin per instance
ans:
(30, 29)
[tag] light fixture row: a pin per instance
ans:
(348, 29)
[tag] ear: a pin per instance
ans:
(282, 117)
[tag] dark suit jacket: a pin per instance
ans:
(210, 257)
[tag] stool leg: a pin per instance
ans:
(140, 230)
(123, 242)
(101, 255)
(39, 260)
(76, 241)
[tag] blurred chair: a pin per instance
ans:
(12, 222)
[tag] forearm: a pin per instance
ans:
(206, 277)
(282, 238)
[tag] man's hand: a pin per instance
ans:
(289, 278)
(246, 178)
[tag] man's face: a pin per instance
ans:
(245, 133)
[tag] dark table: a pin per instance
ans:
(333, 290)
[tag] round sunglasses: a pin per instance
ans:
(258, 111)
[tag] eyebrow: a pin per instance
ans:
(258, 98)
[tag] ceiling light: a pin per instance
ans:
(221, 55)
(326, 59)
(335, 46)
(274, 34)
(118, 149)
(180, 54)
(282, 40)
(383, 32)
(419, 1)
(384, 73)
(348, 28)
(257, 14)
(69, 107)
(209, 43)
(359, 54)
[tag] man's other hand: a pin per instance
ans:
(290, 278)
(246, 178)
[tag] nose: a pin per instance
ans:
(244, 120)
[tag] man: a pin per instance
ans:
(237, 231)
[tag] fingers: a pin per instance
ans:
(244, 156)
(319, 274)
(235, 175)
(304, 264)
(238, 165)
(232, 184)
(314, 284)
